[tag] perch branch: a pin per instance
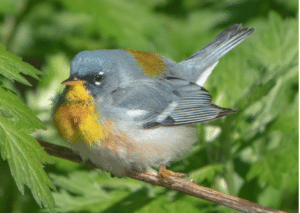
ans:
(186, 186)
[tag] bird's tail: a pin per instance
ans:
(199, 66)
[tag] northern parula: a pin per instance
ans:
(126, 109)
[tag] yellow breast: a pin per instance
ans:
(76, 119)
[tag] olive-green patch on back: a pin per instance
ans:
(153, 65)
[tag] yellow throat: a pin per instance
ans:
(76, 119)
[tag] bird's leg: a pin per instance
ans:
(164, 173)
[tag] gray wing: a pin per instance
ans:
(195, 106)
(207, 58)
(143, 101)
(167, 102)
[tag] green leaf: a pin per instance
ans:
(75, 185)
(281, 157)
(96, 191)
(7, 7)
(11, 66)
(208, 172)
(273, 90)
(24, 154)
(256, 91)
(108, 19)
(271, 168)
(270, 197)
(275, 42)
(165, 203)
(25, 157)
(13, 107)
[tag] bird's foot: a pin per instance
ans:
(168, 175)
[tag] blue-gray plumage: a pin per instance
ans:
(171, 99)
(145, 102)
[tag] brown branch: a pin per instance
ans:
(186, 186)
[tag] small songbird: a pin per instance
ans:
(128, 110)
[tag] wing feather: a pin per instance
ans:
(194, 106)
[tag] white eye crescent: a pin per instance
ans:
(98, 78)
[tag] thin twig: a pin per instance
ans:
(187, 186)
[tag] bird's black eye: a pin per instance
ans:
(98, 79)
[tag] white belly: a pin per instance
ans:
(141, 149)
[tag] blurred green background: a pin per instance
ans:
(252, 154)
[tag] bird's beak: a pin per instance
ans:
(73, 81)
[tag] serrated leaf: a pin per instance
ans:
(186, 204)
(283, 159)
(267, 100)
(25, 156)
(94, 191)
(275, 43)
(288, 120)
(75, 184)
(23, 153)
(11, 66)
(271, 168)
(69, 203)
(11, 104)
(275, 102)
(257, 91)
(110, 17)
(94, 178)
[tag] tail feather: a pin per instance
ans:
(199, 65)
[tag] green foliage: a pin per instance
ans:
(252, 154)
(17, 121)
